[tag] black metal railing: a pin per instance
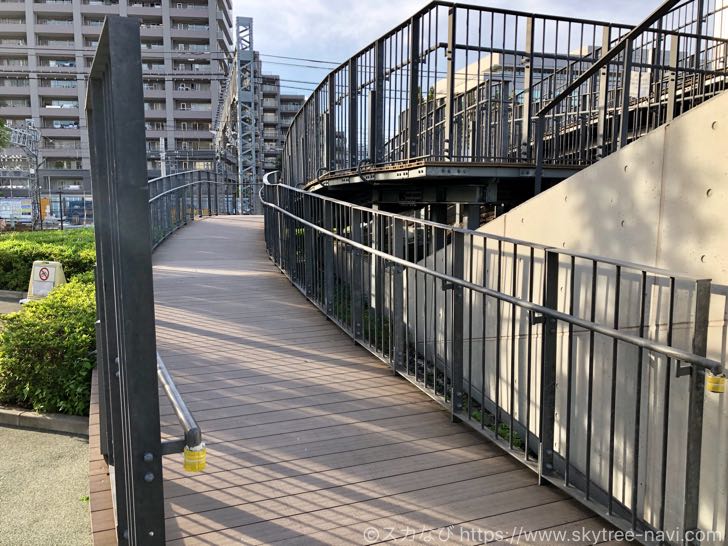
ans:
(177, 199)
(673, 61)
(588, 369)
(131, 217)
(463, 84)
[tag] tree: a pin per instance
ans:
(4, 135)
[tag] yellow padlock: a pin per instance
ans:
(195, 458)
(715, 383)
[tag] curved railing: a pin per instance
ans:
(177, 199)
(588, 369)
(463, 84)
(673, 61)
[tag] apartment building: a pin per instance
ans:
(278, 111)
(46, 50)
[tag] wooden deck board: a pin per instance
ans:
(311, 440)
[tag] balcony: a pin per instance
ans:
(190, 33)
(56, 6)
(155, 94)
(48, 113)
(192, 12)
(192, 94)
(12, 26)
(100, 7)
(205, 115)
(11, 7)
(141, 11)
(15, 112)
(151, 31)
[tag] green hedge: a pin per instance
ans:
(73, 248)
(46, 351)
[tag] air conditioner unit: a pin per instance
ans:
(183, 125)
(183, 106)
(183, 87)
(180, 6)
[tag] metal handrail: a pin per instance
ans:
(480, 332)
(192, 431)
(481, 234)
(605, 59)
(686, 357)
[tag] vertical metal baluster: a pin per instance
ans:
(666, 409)
(613, 391)
(590, 386)
(471, 279)
(638, 401)
(529, 354)
(569, 374)
(485, 334)
(499, 289)
(512, 394)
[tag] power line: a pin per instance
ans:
(336, 63)
(327, 69)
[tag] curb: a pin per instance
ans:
(51, 422)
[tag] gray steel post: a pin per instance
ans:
(527, 82)
(308, 246)
(376, 153)
(356, 288)
(115, 114)
(626, 87)
(540, 145)
(458, 323)
(331, 125)
(450, 93)
(415, 93)
(696, 399)
(672, 82)
(602, 96)
(548, 367)
(353, 114)
(399, 241)
(471, 216)
(328, 243)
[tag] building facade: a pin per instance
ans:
(46, 50)
(277, 113)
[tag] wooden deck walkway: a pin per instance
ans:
(311, 440)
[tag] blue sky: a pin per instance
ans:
(333, 30)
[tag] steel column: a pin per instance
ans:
(356, 288)
(602, 96)
(399, 242)
(115, 116)
(672, 82)
(415, 93)
(696, 400)
(548, 367)
(450, 93)
(353, 114)
(458, 323)
(526, 132)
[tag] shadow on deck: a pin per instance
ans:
(311, 440)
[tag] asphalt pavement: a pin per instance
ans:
(43, 489)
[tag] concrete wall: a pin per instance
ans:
(662, 201)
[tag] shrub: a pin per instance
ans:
(46, 351)
(73, 248)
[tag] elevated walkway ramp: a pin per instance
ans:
(311, 440)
